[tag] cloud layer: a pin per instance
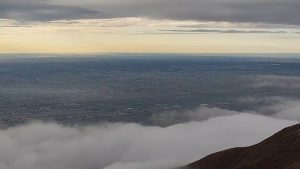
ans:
(132, 146)
(39, 11)
(278, 81)
(231, 31)
(274, 107)
(267, 11)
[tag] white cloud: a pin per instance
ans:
(132, 146)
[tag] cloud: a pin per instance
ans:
(38, 11)
(138, 25)
(179, 31)
(278, 81)
(200, 114)
(263, 11)
(276, 107)
(132, 146)
(283, 108)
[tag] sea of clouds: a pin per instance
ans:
(205, 130)
(132, 146)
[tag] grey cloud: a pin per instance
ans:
(277, 107)
(128, 146)
(15, 26)
(264, 11)
(200, 114)
(279, 81)
(271, 11)
(220, 31)
(283, 108)
(44, 12)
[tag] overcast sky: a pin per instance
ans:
(215, 26)
(266, 11)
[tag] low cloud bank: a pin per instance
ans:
(278, 81)
(283, 108)
(275, 107)
(129, 146)
(201, 113)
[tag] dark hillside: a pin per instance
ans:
(280, 151)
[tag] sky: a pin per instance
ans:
(156, 26)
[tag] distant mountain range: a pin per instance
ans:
(280, 151)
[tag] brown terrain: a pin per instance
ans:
(280, 151)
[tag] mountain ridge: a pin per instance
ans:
(280, 151)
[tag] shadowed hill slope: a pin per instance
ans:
(280, 151)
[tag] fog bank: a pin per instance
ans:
(129, 146)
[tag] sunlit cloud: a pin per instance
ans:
(143, 35)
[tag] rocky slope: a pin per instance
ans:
(280, 151)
